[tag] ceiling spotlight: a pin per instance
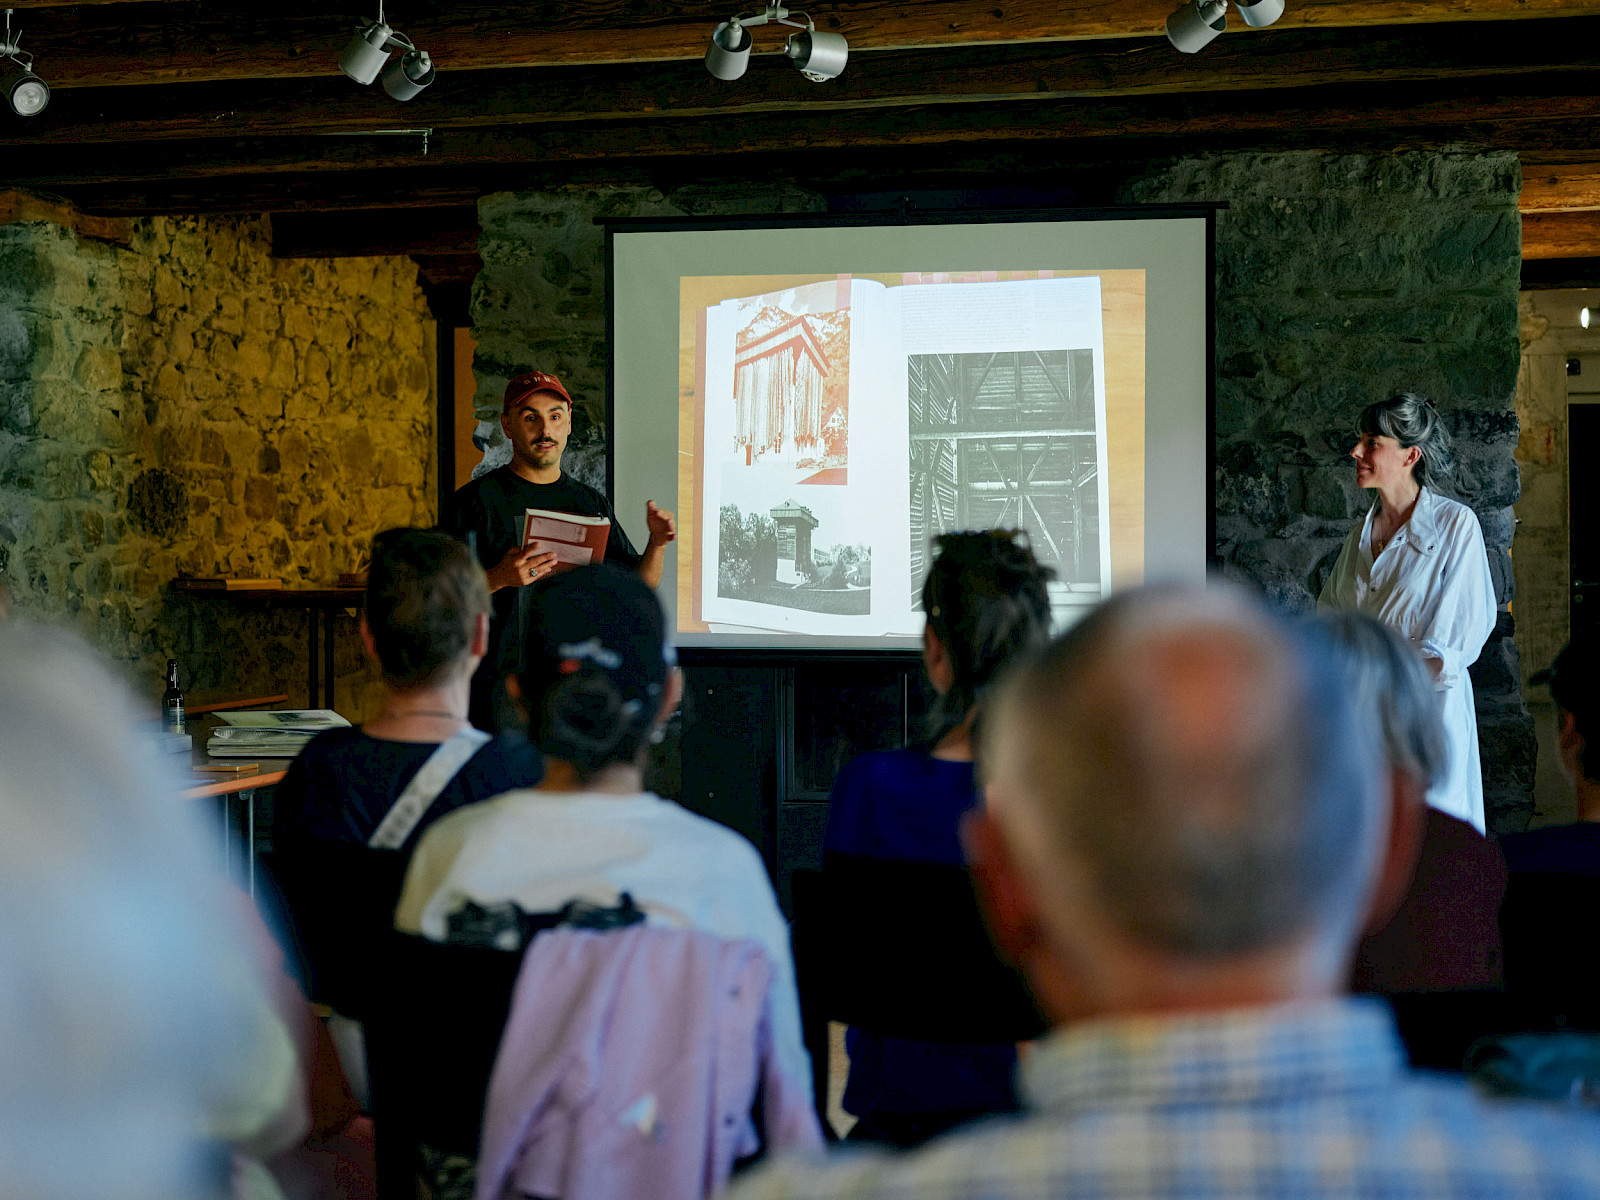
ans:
(370, 49)
(820, 56)
(24, 91)
(1258, 14)
(1195, 25)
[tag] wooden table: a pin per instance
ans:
(321, 604)
(237, 792)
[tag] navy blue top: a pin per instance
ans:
(345, 781)
(906, 804)
(1565, 849)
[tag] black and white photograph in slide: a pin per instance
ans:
(797, 552)
(1007, 440)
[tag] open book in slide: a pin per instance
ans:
(577, 540)
(848, 423)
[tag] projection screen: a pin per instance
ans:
(817, 398)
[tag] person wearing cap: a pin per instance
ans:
(488, 514)
(597, 684)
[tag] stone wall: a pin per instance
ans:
(1342, 279)
(539, 303)
(189, 405)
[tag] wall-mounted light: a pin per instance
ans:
(370, 49)
(24, 91)
(1199, 22)
(1583, 318)
(819, 56)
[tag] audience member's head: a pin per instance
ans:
(1184, 809)
(985, 601)
(597, 677)
(1387, 680)
(1574, 680)
(131, 1021)
(427, 608)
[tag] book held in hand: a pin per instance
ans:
(577, 540)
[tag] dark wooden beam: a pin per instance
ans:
(1545, 274)
(450, 231)
(1559, 187)
(1046, 71)
(109, 45)
(1561, 235)
(1527, 113)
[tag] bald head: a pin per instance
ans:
(1188, 769)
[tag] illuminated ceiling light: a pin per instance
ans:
(25, 92)
(819, 56)
(370, 49)
(1199, 22)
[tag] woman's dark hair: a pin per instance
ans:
(425, 592)
(1412, 420)
(985, 601)
(595, 664)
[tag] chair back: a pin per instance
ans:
(432, 1031)
(900, 949)
(1551, 972)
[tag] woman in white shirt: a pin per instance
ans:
(1417, 563)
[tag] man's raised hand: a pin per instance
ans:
(662, 524)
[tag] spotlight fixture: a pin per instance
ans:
(24, 91)
(370, 49)
(1197, 24)
(819, 56)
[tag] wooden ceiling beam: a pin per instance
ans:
(1381, 118)
(1048, 71)
(1559, 187)
(128, 44)
(1561, 235)
(449, 231)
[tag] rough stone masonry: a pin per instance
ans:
(189, 405)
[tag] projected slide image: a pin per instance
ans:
(840, 425)
(790, 389)
(1008, 440)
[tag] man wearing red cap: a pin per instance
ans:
(488, 513)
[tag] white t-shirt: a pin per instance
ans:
(542, 849)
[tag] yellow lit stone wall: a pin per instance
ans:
(189, 405)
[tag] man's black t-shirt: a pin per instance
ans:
(490, 510)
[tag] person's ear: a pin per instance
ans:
(1413, 456)
(480, 636)
(1408, 820)
(368, 642)
(514, 692)
(671, 694)
(1569, 742)
(1003, 896)
(936, 659)
(505, 424)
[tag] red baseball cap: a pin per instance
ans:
(526, 384)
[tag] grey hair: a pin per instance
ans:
(134, 1020)
(1388, 680)
(1412, 420)
(1202, 835)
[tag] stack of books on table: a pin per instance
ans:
(280, 733)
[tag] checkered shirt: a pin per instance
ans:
(1304, 1101)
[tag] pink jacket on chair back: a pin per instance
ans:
(629, 1067)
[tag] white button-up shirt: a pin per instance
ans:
(1432, 585)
